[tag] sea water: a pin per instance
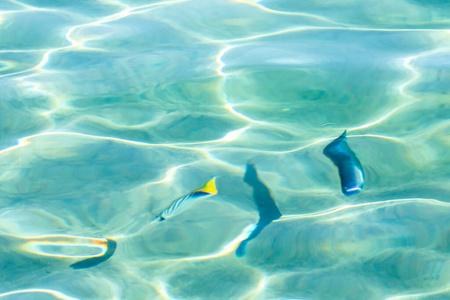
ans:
(112, 109)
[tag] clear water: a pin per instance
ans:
(111, 109)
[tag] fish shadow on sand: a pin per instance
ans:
(268, 210)
(93, 261)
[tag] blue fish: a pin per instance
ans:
(348, 164)
(182, 203)
(93, 261)
(268, 210)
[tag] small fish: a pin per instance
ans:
(267, 208)
(182, 203)
(348, 164)
(93, 261)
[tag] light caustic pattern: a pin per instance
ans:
(38, 245)
(112, 109)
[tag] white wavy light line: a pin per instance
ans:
(381, 119)
(169, 175)
(255, 3)
(312, 28)
(24, 51)
(407, 63)
(57, 294)
(252, 294)
(25, 141)
(29, 7)
(70, 236)
(231, 109)
(320, 141)
(230, 136)
(285, 218)
(120, 15)
(233, 135)
(220, 63)
(22, 142)
(35, 248)
(114, 2)
(377, 136)
(32, 244)
(162, 290)
(75, 43)
(418, 295)
(416, 75)
(227, 249)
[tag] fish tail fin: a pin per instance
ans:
(329, 149)
(209, 187)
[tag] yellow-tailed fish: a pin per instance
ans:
(182, 203)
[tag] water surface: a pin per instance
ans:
(110, 110)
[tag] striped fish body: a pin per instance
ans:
(181, 204)
(176, 207)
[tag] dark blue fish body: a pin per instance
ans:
(348, 164)
(93, 261)
(268, 210)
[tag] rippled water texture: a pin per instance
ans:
(112, 109)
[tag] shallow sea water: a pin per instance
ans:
(110, 110)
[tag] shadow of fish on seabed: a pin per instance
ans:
(93, 261)
(350, 169)
(268, 210)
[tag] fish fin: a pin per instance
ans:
(209, 187)
(158, 218)
(334, 144)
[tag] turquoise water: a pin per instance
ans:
(112, 109)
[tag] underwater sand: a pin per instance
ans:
(110, 110)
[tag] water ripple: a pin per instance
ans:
(112, 109)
